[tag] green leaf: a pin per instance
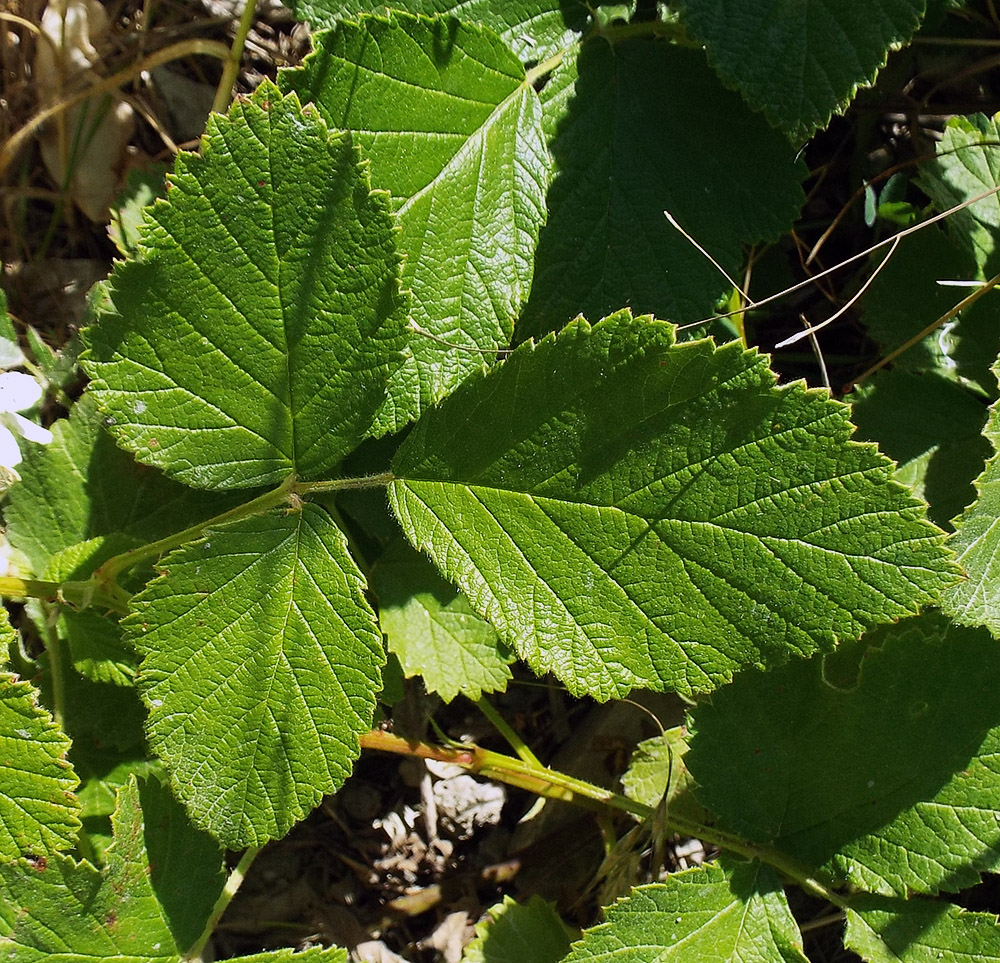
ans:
(800, 62)
(884, 930)
(966, 166)
(628, 511)
(262, 666)
(433, 630)
(452, 129)
(269, 258)
(535, 29)
(82, 486)
(729, 911)
(159, 886)
(905, 298)
(519, 932)
(634, 130)
(657, 769)
(882, 773)
(933, 429)
(976, 542)
(39, 813)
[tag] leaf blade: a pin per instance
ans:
(565, 488)
(257, 698)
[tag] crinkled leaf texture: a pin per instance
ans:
(269, 258)
(148, 905)
(262, 664)
(39, 813)
(431, 628)
(634, 130)
(976, 601)
(443, 111)
(725, 911)
(881, 770)
(800, 62)
(885, 930)
(628, 511)
(535, 29)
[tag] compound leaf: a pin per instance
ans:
(535, 29)
(444, 113)
(262, 666)
(729, 911)
(884, 775)
(634, 130)
(628, 511)
(800, 62)
(39, 813)
(269, 257)
(885, 930)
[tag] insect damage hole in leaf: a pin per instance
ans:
(628, 511)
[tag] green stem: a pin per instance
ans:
(231, 69)
(108, 573)
(519, 746)
(232, 886)
(346, 484)
(558, 785)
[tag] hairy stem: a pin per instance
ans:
(232, 886)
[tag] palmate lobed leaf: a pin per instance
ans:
(262, 662)
(443, 111)
(628, 511)
(269, 259)
(726, 911)
(877, 765)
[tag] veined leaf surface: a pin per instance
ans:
(628, 511)
(453, 130)
(262, 665)
(799, 62)
(255, 335)
(730, 912)
(881, 772)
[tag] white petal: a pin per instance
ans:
(28, 429)
(18, 391)
(10, 454)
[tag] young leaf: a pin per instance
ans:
(268, 259)
(799, 63)
(976, 601)
(885, 930)
(529, 932)
(433, 631)
(535, 29)
(729, 911)
(452, 128)
(657, 769)
(262, 666)
(628, 511)
(39, 814)
(634, 129)
(885, 777)
(161, 881)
